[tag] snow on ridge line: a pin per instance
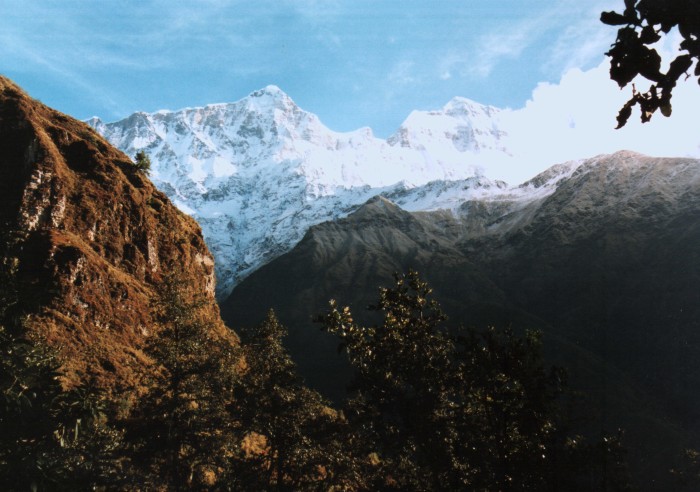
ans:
(257, 176)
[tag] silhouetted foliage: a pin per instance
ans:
(429, 410)
(687, 475)
(50, 438)
(477, 411)
(28, 385)
(644, 23)
(299, 437)
(182, 429)
(400, 408)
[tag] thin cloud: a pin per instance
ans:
(584, 41)
(402, 73)
(69, 77)
(495, 47)
(579, 44)
(316, 11)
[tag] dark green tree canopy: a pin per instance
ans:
(142, 161)
(643, 23)
(478, 410)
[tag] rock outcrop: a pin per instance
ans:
(92, 239)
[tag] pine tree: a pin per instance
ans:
(142, 162)
(299, 430)
(182, 428)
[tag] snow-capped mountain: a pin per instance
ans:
(259, 172)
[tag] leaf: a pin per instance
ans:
(666, 109)
(679, 66)
(623, 73)
(649, 35)
(650, 64)
(614, 19)
(625, 113)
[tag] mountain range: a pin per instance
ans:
(605, 263)
(257, 173)
(600, 254)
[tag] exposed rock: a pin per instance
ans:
(94, 240)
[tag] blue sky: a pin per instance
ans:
(354, 63)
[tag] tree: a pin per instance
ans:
(400, 405)
(50, 438)
(28, 386)
(687, 475)
(469, 411)
(298, 431)
(508, 414)
(181, 429)
(142, 162)
(644, 23)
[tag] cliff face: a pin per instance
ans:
(93, 240)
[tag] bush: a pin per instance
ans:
(142, 162)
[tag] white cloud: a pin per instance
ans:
(576, 119)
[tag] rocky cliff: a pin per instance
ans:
(92, 239)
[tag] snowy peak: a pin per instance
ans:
(272, 91)
(258, 172)
(271, 111)
(271, 97)
(466, 109)
(470, 128)
(96, 123)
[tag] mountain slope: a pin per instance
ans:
(611, 258)
(92, 239)
(341, 260)
(601, 254)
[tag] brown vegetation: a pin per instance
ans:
(93, 241)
